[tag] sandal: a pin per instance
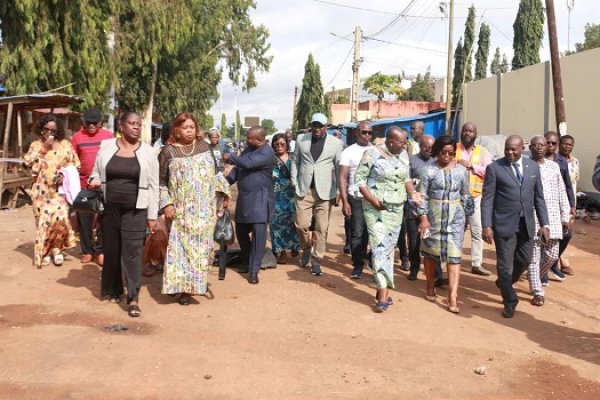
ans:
(134, 311)
(115, 299)
(45, 261)
(282, 258)
(295, 253)
(390, 301)
(538, 300)
(381, 307)
(59, 259)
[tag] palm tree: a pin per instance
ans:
(379, 84)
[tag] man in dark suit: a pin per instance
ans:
(512, 190)
(253, 171)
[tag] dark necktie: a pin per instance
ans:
(519, 176)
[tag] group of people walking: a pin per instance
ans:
(427, 189)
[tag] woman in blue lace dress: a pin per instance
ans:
(443, 216)
(283, 230)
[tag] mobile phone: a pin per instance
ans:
(542, 239)
(565, 230)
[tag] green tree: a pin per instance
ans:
(238, 121)
(379, 84)
(223, 125)
(592, 38)
(176, 50)
(457, 79)
(483, 52)
(341, 99)
(505, 66)
(311, 98)
(469, 41)
(210, 121)
(528, 33)
(269, 126)
(420, 90)
(46, 45)
(495, 66)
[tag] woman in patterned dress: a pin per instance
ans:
(383, 179)
(189, 190)
(443, 216)
(46, 157)
(283, 230)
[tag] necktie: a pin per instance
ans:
(519, 176)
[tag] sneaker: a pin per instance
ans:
(480, 271)
(546, 284)
(412, 276)
(316, 270)
(558, 276)
(405, 266)
(356, 272)
(306, 257)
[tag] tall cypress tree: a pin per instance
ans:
(311, 97)
(495, 66)
(459, 65)
(469, 40)
(49, 44)
(483, 52)
(528, 33)
(504, 66)
(223, 125)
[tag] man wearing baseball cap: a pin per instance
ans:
(314, 177)
(86, 143)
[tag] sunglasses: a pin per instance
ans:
(49, 130)
(447, 153)
(365, 133)
(553, 143)
(279, 144)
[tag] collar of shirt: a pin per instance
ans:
(315, 139)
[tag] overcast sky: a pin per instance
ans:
(420, 40)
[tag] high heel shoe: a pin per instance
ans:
(430, 298)
(453, 309)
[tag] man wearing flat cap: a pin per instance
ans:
(86, 143)
(314, 177)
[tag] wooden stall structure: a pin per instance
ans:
(12, 174)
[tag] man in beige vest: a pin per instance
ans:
(313, 175)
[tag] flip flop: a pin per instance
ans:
(134, 311)
(390, 301)
(59, 259)
(381, 307)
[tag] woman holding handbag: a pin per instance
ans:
(190, 188)
(46, 157)
(127, 171)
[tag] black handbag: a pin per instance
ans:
(224, 229)
(89, 201)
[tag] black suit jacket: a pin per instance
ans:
(253, 172)
(504, 200)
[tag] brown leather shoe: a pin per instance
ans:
(567, 270)
(100, 259)
(86, 258)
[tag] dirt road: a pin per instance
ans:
(293, 336)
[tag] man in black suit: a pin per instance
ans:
(512, 190)
(253, 171)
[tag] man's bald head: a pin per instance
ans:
(416, 129)
(396, 139)
(255, 137)
(513, 148)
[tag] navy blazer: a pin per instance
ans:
(504, 200)
(253, 172)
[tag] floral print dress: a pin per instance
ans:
(284, 235)
(51, 210)
(188, 181)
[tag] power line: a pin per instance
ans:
(341, 66)
(407, 45)
(371, 10)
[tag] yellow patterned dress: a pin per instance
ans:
(54, 232)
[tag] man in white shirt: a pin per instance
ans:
(351, 197)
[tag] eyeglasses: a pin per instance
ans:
(279, 144)
(49, 130)
(553, 143)
(365, 133)
(447, 153)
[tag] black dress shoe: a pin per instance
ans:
(508, 312)
(244, 270)
(253, 278)
(441, 282)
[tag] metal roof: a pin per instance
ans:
(51, 100)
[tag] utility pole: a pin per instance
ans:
(559, 101)
(355, 74)
(295, 102)
(449, 72)
(570, 6)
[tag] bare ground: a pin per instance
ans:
(293, 336)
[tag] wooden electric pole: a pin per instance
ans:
(449, 72)
(559, 101)
(295, 102)
(355, 74)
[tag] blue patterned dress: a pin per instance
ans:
(283, 230)
(448, 203)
